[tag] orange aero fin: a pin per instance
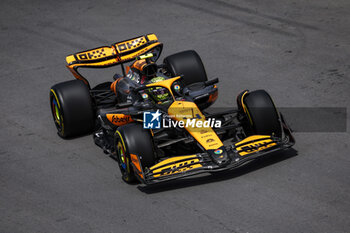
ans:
(135, 162)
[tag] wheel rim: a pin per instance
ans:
(122, 157)
(56, 113)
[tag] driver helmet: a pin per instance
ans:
(160, 94)
(145, 69)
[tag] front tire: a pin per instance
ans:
(133, 139)
(71, 108)
(260, 112)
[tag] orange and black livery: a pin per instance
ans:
(153, 117)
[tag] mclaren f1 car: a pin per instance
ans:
(154, 119)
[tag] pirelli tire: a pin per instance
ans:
(261, 113)
(72, 108)
(187, 63)
(133, 139)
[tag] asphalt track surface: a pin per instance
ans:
(297, 50)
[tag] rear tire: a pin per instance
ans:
(186, 63)
(262, 114)
(71, 108)
(133, 139)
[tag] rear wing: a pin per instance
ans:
(116, 54)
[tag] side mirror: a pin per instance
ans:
(211, 82)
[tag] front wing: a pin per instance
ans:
(238, 154)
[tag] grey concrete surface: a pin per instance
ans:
(298, 50)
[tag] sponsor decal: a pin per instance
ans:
(177, 168)
(119, 119)
(218, 152)
(254, 147)
(176, 87)
(206, 135)
(116, 119)
(214, 144)
(203, 132)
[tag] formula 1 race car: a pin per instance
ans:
(154, 120)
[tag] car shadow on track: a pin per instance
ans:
(220, 176)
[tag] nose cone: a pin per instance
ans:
(220, 156)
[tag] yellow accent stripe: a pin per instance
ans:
(249, 148)
(190, 162)
(172, 160)
(58, 102)
(121, 139)
(253, 137)
(245, 108)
